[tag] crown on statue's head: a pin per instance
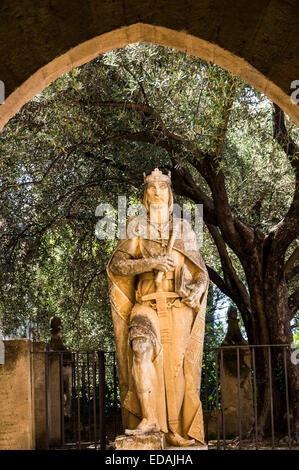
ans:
(157, 176)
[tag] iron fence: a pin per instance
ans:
(81, 390)
(226, 365)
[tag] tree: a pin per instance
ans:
(226, 145)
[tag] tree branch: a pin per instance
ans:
(87, 285)
(218, 212)
(219, 282)
(146, 111)
(282, 137)
(292, 260)
(182, 180)
(42, 229)
(223, 129)
(231, 278)
(136, 79)
(64, 154)
(292, 273)
(216, 279)
(142, 136)
(286, 230)
(293, 303)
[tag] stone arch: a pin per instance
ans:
(141, 32)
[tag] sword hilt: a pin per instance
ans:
(159, 295)
(160, 274)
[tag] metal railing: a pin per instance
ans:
(262, 382)
(81, 389)
(82, 403)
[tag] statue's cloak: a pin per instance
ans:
(122, 298)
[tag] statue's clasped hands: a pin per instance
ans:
(162, 263)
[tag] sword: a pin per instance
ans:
(165, 321)
(160, 274)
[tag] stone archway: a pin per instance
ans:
(256, 40)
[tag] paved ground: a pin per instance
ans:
(266, 444)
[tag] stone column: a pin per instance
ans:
(230, 379)
(40, 405)
(54, 397)
(17, 426)
(47, 397)
(64, 358)
(2, 351)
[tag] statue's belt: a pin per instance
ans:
(151, 275)
(159, 296)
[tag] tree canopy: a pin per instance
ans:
(90, 135)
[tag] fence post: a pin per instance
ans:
(217, 400)
(101, 356)
(94, 387)
(61, 398)
(222, 397)
(47, 390)
(239, 398)
(78, 401)
(287, 394)
(114, 393)
(271, 397)
(255, 397)
(206, 400)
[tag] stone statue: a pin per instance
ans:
(56, 344)
(158, 287)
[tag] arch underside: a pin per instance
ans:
(141, 32)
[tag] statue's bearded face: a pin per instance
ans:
(157, 194)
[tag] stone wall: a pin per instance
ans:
(17, 426)
(30, 413)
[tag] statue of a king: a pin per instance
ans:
(158, 287)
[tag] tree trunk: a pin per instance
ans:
(271, 325)
(264, 308)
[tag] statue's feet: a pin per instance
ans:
(174, 439)
(144, 427)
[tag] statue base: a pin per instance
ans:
(203, 447)
(154, 441)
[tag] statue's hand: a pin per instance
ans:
(162, 263)
(196, 291)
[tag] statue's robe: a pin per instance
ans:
(187, 334)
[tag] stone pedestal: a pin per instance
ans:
(230, 380)
(30, 412)
(153, 441)
(205, 447)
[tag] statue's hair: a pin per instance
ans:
(170, 199)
